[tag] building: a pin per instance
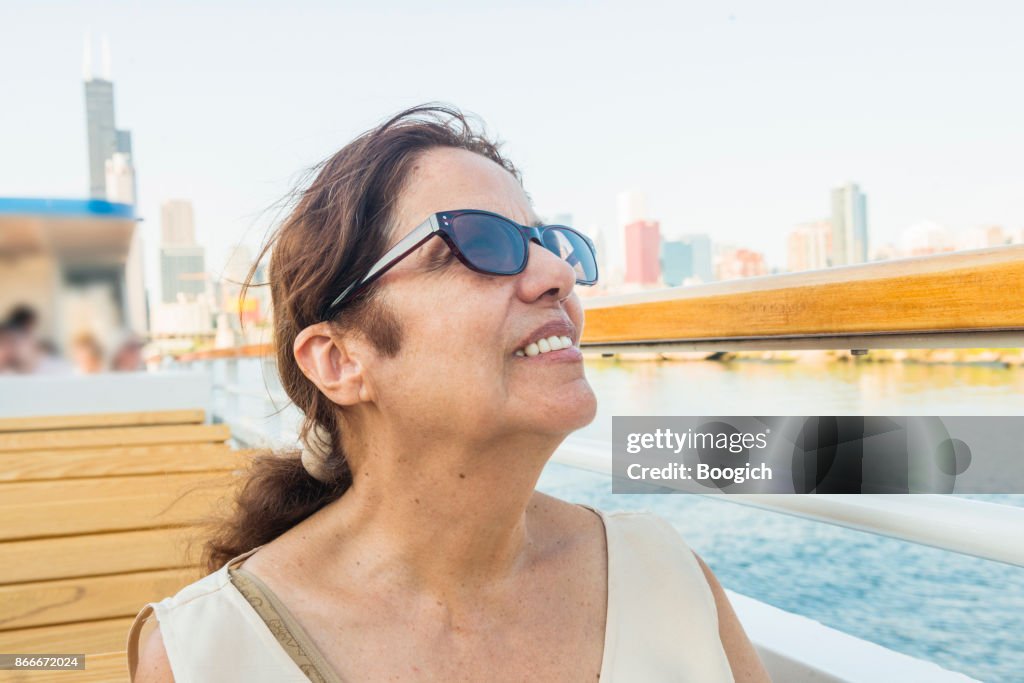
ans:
(925, 238)
(849, 225)
(985, 237)
(182, 273)
(182, 261)
(121, 189)
(643, 247)
(184, 319)
(676, 262)
(177, 223)
(120, 178)
(104, 138)
(631, 207)
(687, 260)
(738, 262)
(809, 247)
(69, 260)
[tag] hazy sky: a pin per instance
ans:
(734, 118)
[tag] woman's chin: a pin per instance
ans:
(567, 416)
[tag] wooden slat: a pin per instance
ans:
(107, 461)
(47, 603)
(102, 635)
(115, 436)
(959, 292)
(140, 419)
(79, 506)
(66, 557)
(243, 351)
(99, 668)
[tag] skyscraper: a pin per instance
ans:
(104, 137)
(177, 223)
(809, 247)
(676, 262)
(849, 225)
(643, 244)
(686, 258)
(182, 261)
(120, 178)
(632, 207)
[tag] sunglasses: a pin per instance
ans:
(487, 243)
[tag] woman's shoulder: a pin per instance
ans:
(148, 651)
(206, 595)
(641, 542)
(206, 587)
(634, 522)
(648, 536)
(209, 631)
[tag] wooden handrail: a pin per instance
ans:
(960, 292)
(243, 351)
(977, 294)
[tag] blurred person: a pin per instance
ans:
(31, 354)
(23, 317)
(86, 354)
(128, 354)
(406, 539)
(7, 348)
(23, 323)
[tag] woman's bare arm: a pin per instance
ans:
(743, 660)
(154, 667)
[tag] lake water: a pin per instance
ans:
(962, 613)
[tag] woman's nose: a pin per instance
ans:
(546, 272)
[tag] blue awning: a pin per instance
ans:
(80, 208)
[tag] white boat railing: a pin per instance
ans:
(970, 527)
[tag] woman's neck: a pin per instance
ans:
(431, 520)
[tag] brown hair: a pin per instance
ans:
(338, 227)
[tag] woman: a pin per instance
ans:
(407, 542)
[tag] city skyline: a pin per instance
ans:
(230, 126)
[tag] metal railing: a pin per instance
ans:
(960, 525)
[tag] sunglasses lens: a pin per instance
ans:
(489, 243)
(574, 250)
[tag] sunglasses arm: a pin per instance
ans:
(403, 248)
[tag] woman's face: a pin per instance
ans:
(457, 372)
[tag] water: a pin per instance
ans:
(962, 613)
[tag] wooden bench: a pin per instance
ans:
(96, 517)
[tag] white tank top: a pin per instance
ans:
(661, 625)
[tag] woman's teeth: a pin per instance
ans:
(544, 345)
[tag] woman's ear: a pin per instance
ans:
(332, 362)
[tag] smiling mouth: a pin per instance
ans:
(545, 345)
